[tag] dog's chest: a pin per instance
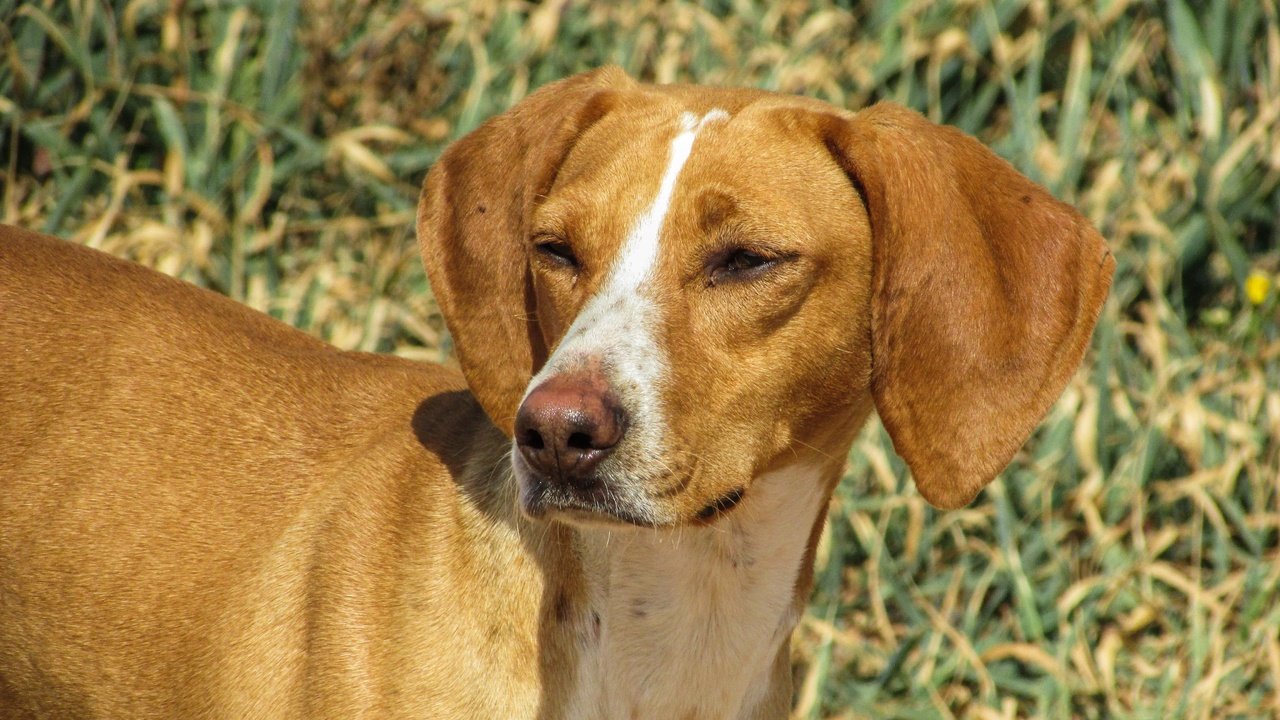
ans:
(690, 622)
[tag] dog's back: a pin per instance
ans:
(131, 405)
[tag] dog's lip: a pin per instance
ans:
(594, 506)
(722, 505)
(597, 518)
(578, 510)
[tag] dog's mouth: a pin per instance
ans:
(603, 503)
(721, 505)
(598, 500)
(596, 505)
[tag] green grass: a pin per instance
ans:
(1127, 565)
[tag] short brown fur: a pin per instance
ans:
(205, 513)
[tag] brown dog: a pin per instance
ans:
(674, 308)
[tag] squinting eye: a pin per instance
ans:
(738, 264)
(557, 251)
(742, 260)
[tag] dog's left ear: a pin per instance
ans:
(472, 218)
(985, 291)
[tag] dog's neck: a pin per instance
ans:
(689, 622)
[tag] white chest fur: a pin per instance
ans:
(691, 619)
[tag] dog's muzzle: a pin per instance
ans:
(565, 429)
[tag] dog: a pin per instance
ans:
(673, 309)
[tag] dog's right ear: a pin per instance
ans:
(473, 225)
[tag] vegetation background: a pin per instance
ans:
(1127, 565)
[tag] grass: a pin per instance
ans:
(1127, 565)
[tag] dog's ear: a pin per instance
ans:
(472, 227)
(985, 291)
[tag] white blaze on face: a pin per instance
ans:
(617, 326)
(640, 252)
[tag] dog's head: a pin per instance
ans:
(663, 292)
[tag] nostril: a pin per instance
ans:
(580, 441)
(532, 439)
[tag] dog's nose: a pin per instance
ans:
(567, 425)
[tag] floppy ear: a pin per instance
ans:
(472, 223)
(985, 290)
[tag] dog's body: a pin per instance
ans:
(204, 513)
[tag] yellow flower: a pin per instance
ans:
(1256, 287)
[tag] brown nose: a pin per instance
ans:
(567, 425)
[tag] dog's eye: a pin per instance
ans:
(557, 251)
(742, 260)
(738, 264)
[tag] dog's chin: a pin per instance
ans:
(597, 507)
(602, 507)
(597, 519)
(582, 510)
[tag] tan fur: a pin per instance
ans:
(207, 514)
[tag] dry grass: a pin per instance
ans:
(1128, 563)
